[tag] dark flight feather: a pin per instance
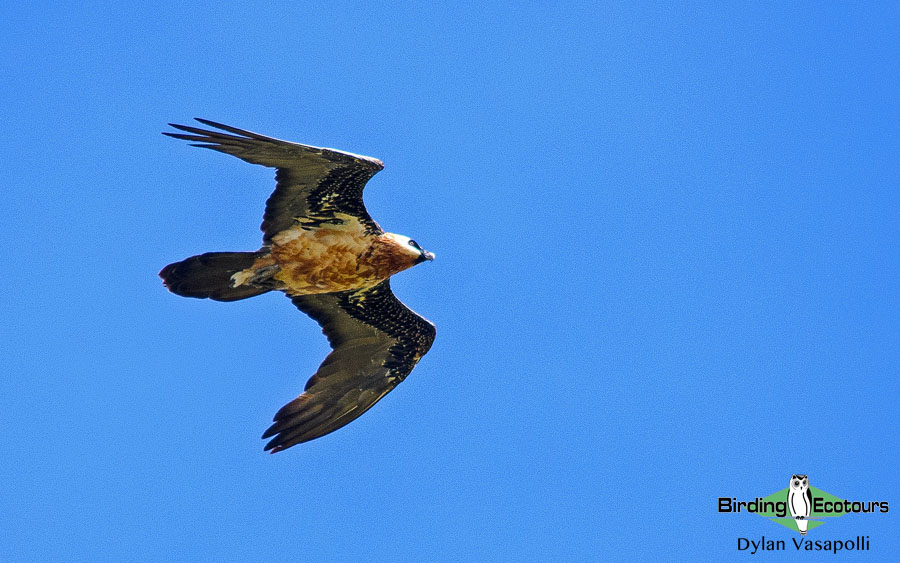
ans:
(376, 341)
(313, 184)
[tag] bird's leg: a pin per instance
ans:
(261, 277)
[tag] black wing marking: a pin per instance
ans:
(376, 341)
(809, 502)
(314, 184)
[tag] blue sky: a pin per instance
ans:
(666, 272)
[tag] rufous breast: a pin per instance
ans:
(326, 260)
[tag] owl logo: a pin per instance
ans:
(800, 501)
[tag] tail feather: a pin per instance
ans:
(209, 275)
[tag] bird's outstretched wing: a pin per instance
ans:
(314, 185)
(376, 341)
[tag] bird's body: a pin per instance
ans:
(325, 260)
(322, 249)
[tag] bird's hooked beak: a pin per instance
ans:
(425, 256)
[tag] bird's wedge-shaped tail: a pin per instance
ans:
(211, 275)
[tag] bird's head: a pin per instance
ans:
(409, 248)
(799, 481)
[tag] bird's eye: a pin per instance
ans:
(413, 244)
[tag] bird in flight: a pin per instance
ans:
(334, 262)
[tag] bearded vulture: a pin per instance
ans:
(334, 262)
